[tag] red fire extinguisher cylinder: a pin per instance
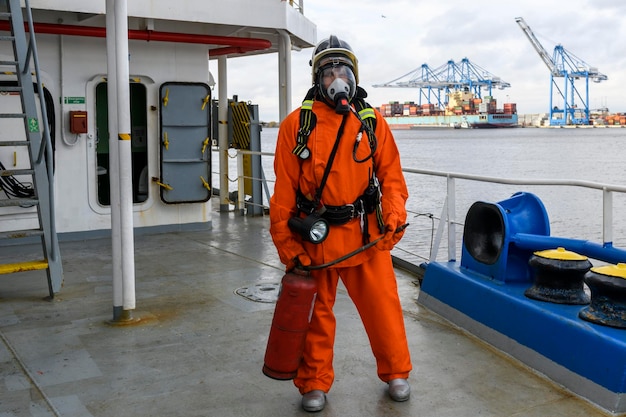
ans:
(290, 324)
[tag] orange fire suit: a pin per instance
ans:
(368, 276)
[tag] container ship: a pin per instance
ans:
(463, 110)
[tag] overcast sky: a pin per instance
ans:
(394, 37)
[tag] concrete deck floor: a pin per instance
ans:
(198, 348)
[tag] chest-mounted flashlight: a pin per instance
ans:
(312, 228)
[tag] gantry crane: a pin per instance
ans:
(435, 85)
(564, 64)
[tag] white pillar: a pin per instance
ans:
(284, 74)
(125, 159)
(222, 118)
(114, 162)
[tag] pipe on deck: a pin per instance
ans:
(232, 44)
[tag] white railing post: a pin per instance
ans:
(451, 219)
(241, 195)
(434, 250)
(607, 217)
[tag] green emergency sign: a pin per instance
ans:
(74, 100)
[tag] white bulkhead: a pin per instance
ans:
(74, 73)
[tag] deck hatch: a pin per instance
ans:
(260, 292)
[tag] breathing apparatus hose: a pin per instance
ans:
(351, 254)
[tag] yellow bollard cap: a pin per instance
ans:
(560, 254)
(618, 271)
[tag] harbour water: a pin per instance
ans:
(586, 154)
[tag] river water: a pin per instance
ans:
(589, 154)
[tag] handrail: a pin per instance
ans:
(46, 147)
(607, 199)
(511, 181)
(299, 6)
(447, 218)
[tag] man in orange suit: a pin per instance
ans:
(337, 160)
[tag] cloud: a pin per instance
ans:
(412, 33)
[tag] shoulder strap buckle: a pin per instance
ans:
(307, 123)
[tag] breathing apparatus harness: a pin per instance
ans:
(366, 203)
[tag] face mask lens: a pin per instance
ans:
(337, 79)
(339, 71)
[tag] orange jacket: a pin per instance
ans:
(346, 182)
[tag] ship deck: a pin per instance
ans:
(196, 347)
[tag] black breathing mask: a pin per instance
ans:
(338, 86)
(338, 92)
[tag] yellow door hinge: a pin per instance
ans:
(204, 183)
(160, 184)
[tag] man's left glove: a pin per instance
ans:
(394, 230)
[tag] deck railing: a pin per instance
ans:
(414, 250)
(298, 5)
(449, 208)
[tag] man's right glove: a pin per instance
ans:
(299, 261)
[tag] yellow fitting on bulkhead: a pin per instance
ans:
(166, 142)
(160, 184)
(205, 101)
(204, 183)
(205, 144)
(167, 97)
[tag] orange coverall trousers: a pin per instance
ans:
(379, 306)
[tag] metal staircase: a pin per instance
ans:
(40, 169)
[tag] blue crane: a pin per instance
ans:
(436, 85)
(564, 64)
